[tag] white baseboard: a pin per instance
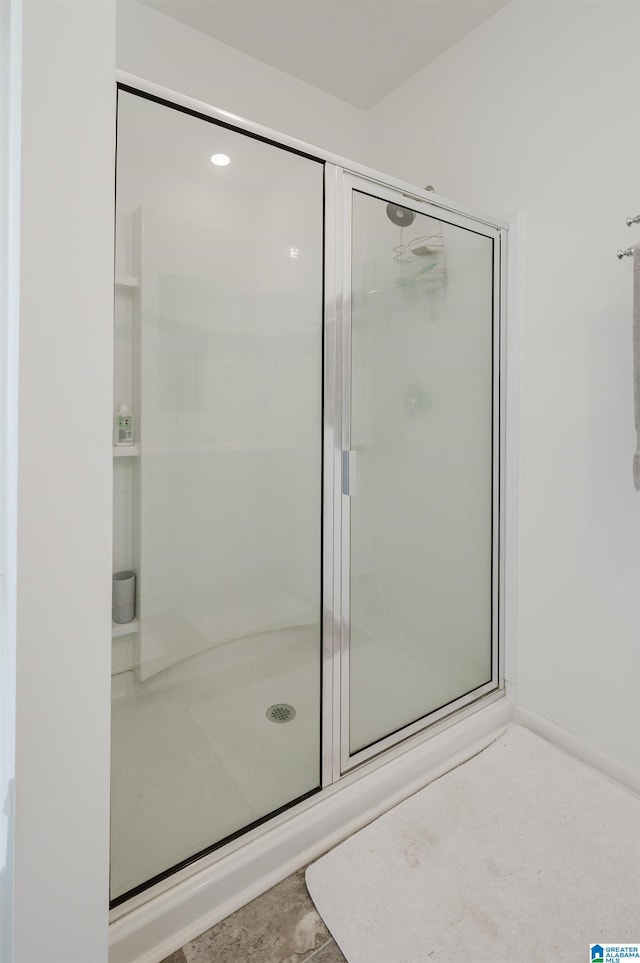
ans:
(577, 747)
(151, 930)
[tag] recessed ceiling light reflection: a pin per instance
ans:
(220, 160)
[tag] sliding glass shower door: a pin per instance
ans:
(216, 688)
(420, 446)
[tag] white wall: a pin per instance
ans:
(160, 49)
(537, 110)
(10, 38)
(64, 483)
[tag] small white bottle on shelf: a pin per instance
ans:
(124, 433)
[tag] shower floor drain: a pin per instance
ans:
(281, 712)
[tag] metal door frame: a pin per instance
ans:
(340, 182)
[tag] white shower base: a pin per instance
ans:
(194, 757)
(195, 760)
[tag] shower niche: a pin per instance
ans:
(311, 502)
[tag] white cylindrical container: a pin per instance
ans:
(124, 596)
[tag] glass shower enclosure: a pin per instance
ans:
(310, 500)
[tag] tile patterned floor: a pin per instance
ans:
(281, 926)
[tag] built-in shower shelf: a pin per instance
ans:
(131, 451)
(127, 281)
(124, 628)
(126, 451)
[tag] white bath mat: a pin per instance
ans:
(521, 855)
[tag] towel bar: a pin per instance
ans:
(628, 252)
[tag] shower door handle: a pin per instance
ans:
(348, 472)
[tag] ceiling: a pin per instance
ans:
(357, 50)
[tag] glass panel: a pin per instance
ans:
(421, 427)
(218, 502)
